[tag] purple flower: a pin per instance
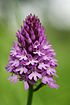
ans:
(34, 76)
(32, 57)
(26, 85)
(13, 78)
(49, 81)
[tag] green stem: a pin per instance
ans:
(30, 95)
(38, 87)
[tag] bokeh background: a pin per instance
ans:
(55, 16)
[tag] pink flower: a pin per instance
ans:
(32, 58)
(13, 78)
(35, 75)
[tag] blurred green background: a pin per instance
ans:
(10, 20)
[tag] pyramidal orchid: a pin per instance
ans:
(32, 58)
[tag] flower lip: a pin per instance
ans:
(32, 62)
(34, 75)
(13, 79)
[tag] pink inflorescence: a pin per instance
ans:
(32, 57)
